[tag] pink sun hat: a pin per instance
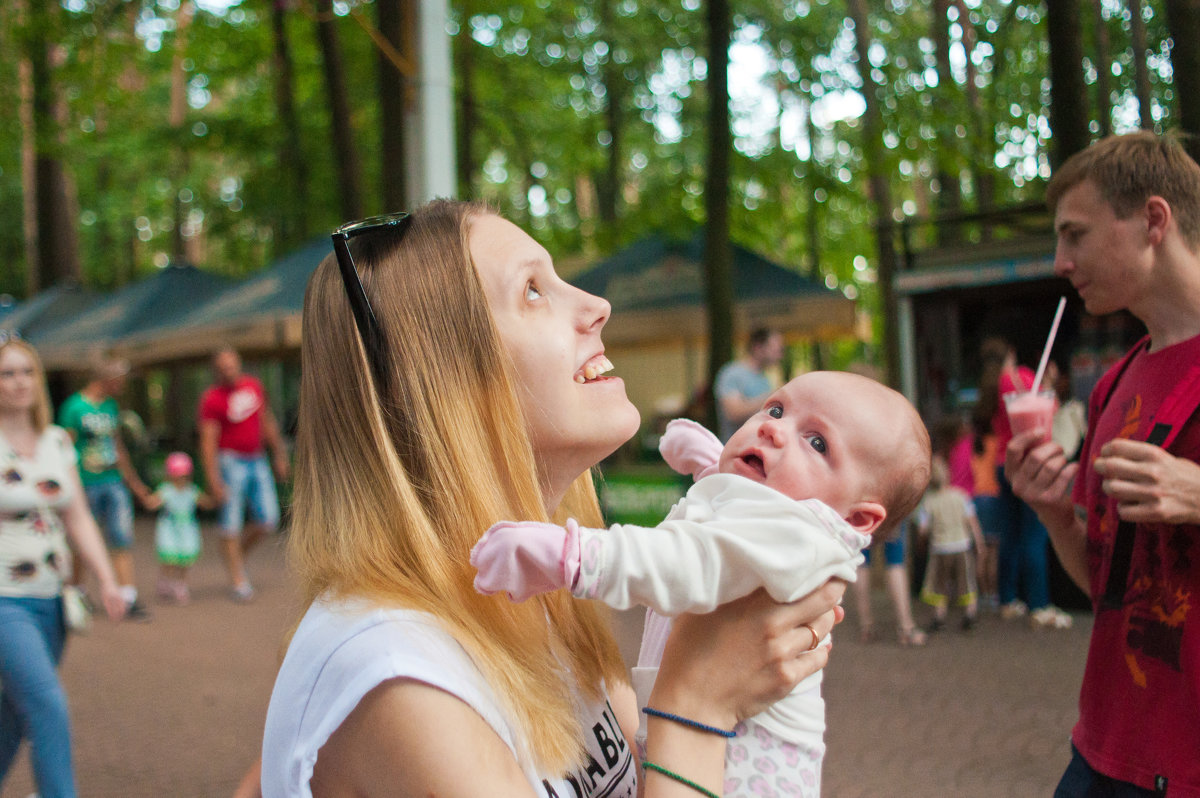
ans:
(179, 464)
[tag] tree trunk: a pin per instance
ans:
(396, 24)
(608, 187)
(294, 216)
(344, 151)
(468, 113)
(176, 117)
(881, 194)
(1103, 62)
(56, 239)
(1068, 94)
(718, 255)
(983, 140)
(1141, 70)
(949, 196)
(812, 218)
(1183, 19)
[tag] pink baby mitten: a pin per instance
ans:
(525, 558)
(690, 448)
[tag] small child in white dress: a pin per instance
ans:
(177, 532)
(785, 505)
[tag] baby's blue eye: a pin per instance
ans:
(818, 443)
(775, 411)
(531, 292)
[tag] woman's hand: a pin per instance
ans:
(113, 601)
(734, 662)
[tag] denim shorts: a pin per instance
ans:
(893, 551)
(112, 508)
(249, 485)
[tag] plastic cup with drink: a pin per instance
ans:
(1035, 409)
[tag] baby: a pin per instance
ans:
(789, 502)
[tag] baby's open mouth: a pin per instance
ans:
(755, 463)
(593, 369)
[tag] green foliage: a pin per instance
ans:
(545, 75)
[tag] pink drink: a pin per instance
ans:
(1028, 411)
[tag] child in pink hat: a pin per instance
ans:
(177, 533)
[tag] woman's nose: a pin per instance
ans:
(593, 311)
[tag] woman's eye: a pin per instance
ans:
(531, 292)
(775, 411)
(818, 443)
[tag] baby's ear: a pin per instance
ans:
(866, 516)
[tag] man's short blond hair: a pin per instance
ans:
(1130, 168)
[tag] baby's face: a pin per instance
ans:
(817, 437)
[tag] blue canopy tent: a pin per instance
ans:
(54, 306)
(74, 339)
(260, 314)
(658, 334)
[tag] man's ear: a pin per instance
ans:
(1158, 217)
(866, 517)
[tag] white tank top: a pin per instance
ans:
(342, 650)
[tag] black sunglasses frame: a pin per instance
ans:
(364, 317)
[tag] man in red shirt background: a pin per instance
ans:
(235, 423)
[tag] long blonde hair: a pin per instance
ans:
(40, 412)
(390, 495)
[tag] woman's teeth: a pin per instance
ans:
(594, 368)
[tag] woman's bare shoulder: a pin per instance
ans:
(409, 738)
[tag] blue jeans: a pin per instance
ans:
(248, 482)
(32, 702)
(1022, 558)
(1081, 781)
(112, 507)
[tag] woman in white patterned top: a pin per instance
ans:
(42, 506)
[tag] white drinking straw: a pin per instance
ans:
(1037, 380)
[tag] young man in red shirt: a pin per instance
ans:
(1125, 520)
(235, 424)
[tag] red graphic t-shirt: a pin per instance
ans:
(1139, 708)
(238, 409)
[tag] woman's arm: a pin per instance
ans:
(89, 545)
(726, 666)
(406, 739)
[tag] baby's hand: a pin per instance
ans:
(690, 448)
(526, 558)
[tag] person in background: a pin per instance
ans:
(946, 517)
(42, 506)
(1070, 419)
(1125, 518)
(988, 509)
(741, 385)
(92, 418)
(177, 533)
(236, 423)
(1023, 570)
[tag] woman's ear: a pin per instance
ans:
(866, 517)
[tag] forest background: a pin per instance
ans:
(143, 132)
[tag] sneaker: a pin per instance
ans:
(1050, 617)
(242, 594)
(935, 626)
(165, 590)
(1013, 610)
(968, 623)
(137, 611)
(180, 593)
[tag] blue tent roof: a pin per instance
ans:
(138, 306)
(278, 290)
(44, 311)
(657, 272)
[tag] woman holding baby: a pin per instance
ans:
(452, 380)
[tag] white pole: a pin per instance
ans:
(432, 134)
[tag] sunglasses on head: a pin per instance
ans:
(364, 317)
